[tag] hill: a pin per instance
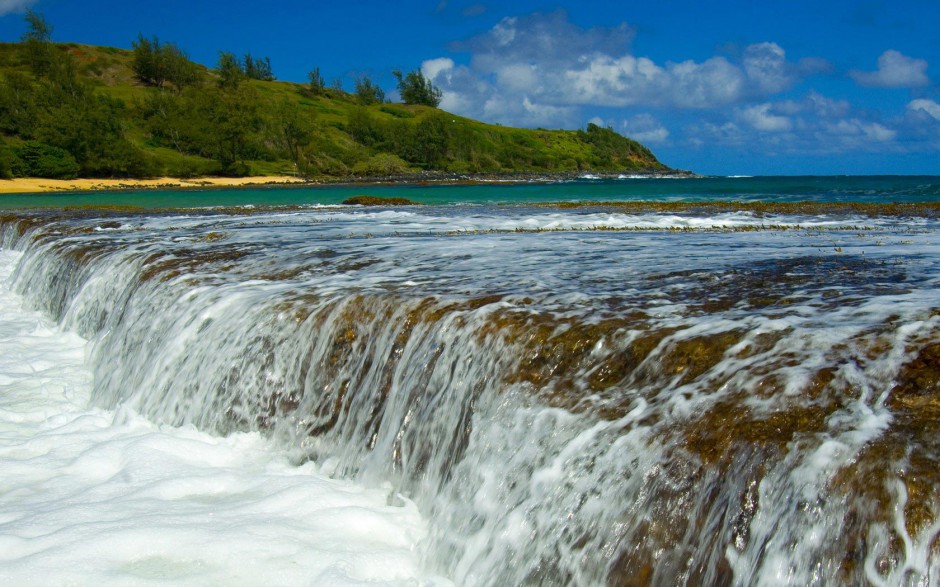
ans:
(69, 110)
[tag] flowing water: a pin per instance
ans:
(575, 395)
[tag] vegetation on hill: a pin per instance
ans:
(70, 110)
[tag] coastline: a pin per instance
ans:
(27, 185)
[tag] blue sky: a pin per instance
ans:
(737, 87)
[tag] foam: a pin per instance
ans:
(90, 496)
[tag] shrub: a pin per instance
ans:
(381, 164)
(42, 160)
(236, 169)
(7, 162)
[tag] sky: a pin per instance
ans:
(739, 87)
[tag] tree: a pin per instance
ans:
(230, 71)
(368, 92)
(37, 41)
(317, 84)
(432, 138)
(292, 130)
(145, 66)
(363, 127)
(41, 160)
(156, 63)
(230, 120)
(180, 71)
(417, 89)
(259, 69)
(17, 104)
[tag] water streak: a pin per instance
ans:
(571, 407)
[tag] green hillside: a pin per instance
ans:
(70, 110)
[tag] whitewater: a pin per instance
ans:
(570, 393)
(106, 497)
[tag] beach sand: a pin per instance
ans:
(35, 185)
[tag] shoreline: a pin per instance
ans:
(36, 185)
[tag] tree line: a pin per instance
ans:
(56, 120)
(65, 128)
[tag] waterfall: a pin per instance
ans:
(774, 422)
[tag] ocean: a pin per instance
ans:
(625, 382)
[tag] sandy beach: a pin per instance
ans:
(22, 185)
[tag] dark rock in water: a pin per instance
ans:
(377, 201)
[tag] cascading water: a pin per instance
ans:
(686, 399)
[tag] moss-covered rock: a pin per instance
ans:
(377, 201)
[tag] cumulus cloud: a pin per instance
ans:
(542, 70)
(921, 124)
(813, 124)
(432, 67)
(928, 107)
(853, 129)
(8, 6)
(553, 65)
(895, 70)
(645, 128)
(766, 64)
(761, 117)
(632, 81)
(544, 39)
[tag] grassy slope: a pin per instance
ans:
(512, 149)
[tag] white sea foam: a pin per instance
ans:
(374, 222)
(92, 497)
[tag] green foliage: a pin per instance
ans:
(368, 92)
(37, 44)
(417, 89)
(611, 150)
(315, 82)
(259, 69)
(39, 30)
(292, 128)
(17, 104)
(157, 63)
(37, 159)
(230, 119)
(364, 128)
(381, 164)
(230, 71)
(397, 111)
(7, 161)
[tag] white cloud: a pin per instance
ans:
(8, 6)
(432, 67)
(542, 39)
(524, 111)
(827, 107)
(560, 67)
(813, 124)
(766, 64)
(711, 134)
(923, 105)
(895, 70)
(542, 70)
(852, 130)
(760, 118)
(645, 128)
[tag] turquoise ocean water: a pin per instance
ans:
(784, 188)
